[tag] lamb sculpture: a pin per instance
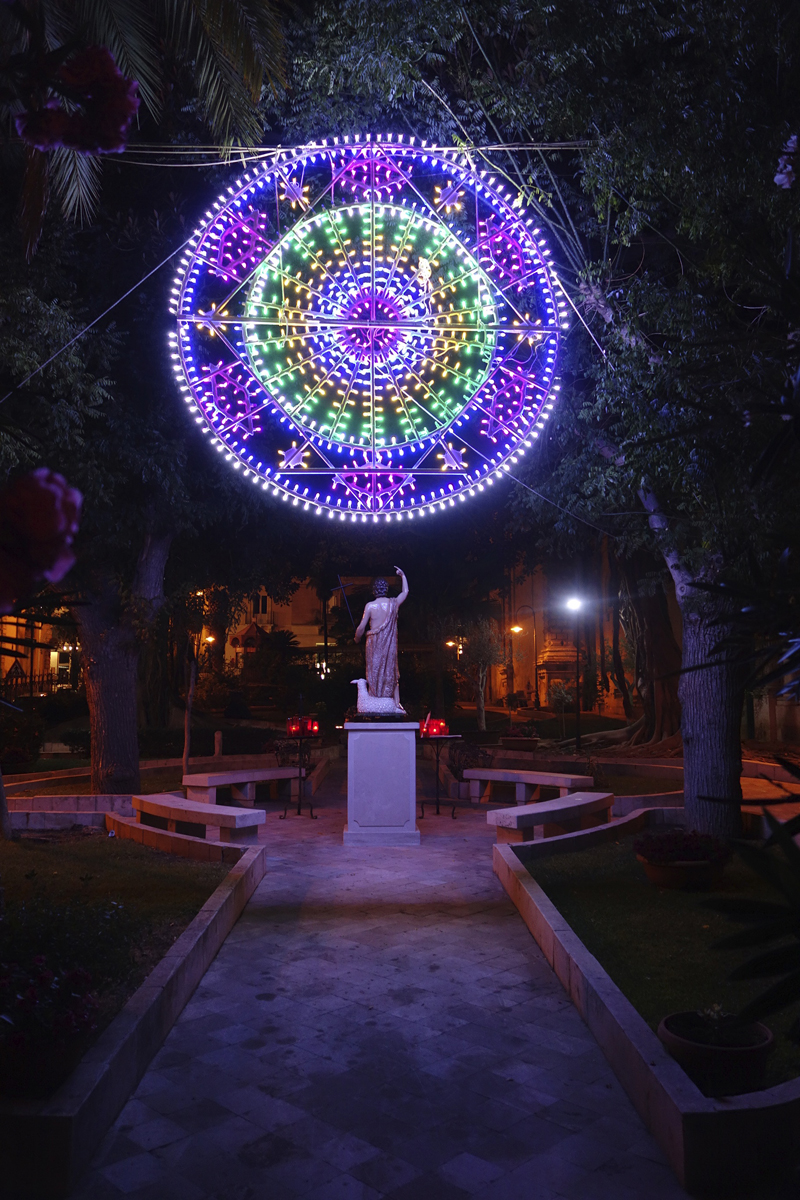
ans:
(384, 705)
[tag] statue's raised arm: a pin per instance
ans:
(404, 587)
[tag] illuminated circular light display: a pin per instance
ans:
(368, 329)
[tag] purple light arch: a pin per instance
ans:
(368, 328)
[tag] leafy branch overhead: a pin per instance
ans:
(69, 77)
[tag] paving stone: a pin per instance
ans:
(158, 1132)
(379, 1024)
(345, 1187)
(385, 1173)
(469, 1172)
(129, 1174)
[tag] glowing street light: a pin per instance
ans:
(516, 629)
(574, 604)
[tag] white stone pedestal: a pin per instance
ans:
(381, 784)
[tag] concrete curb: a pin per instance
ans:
(45, 1146)
(183, 844)
(72, 804)
(719, 1148)
(628, 804)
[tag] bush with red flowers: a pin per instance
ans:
(106, 100)
(57, 963)
(39, 515)
(42, 1015)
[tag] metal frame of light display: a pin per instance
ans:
(368, 328)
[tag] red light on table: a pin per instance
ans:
(301, 727)
(434, 728)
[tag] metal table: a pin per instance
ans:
(436, 741)
(302, 741)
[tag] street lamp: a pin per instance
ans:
(518, 629)
(575, 605)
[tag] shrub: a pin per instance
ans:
(678, 845)
(463, 756)
(20, 738)
(55, 963)
(79, 742)
(62, 705)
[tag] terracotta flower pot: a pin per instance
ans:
(720, 1070)
(696, 876)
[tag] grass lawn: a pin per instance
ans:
(550, 726)
(162, 779)
(636, 785)
(656, 944)
(84, 900)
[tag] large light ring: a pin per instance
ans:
(368, 329)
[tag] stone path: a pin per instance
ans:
(379, 1023)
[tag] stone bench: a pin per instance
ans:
(527, 784)
(581, 810)
(191, 817)
(203, 788)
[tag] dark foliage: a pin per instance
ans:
(678, 845)
(773, 928)
(55, 963)
(20, 738)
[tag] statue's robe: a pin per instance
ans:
(382, 673)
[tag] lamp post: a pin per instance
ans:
(575, 605)
(518, 629)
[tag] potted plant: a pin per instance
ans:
(679, 858)
(521, 737)
(724, 1054)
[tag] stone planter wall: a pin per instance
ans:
(717, 1148)
(45, 1146)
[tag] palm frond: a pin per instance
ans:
(126, 28)
(235, 45)
(33, 198)
(76, 182)
(256, 34)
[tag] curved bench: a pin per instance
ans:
(582, 810)
(189, 817)
(527, 784)
(203, 788)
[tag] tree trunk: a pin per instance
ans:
(218, 619)
(438, 672)
(711, 699)
(616, 657)
(658, 657)
(154, 676)
(191, 680)
(110, 654)
(110, 635)
(619, 670)
(480, 706)
(6, 833)
(711, 692)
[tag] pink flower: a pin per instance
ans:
(785, 176)
(106, 97)
(39, 516)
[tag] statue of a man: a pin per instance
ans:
(381, 616)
